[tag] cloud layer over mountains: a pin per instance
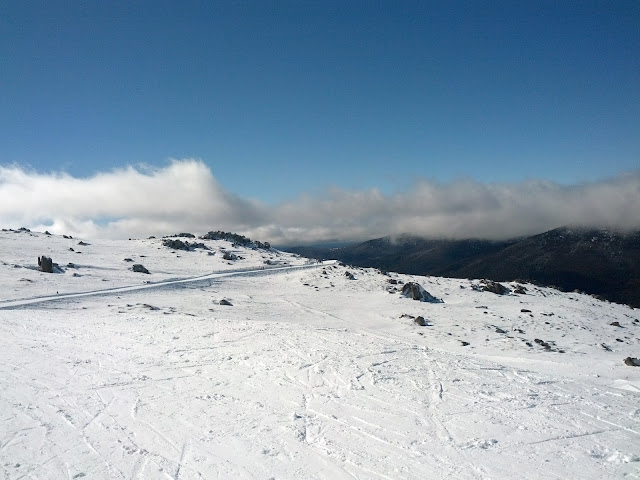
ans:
(185, 196)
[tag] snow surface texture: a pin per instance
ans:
(309, 374)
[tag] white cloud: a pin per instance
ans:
(185, 196)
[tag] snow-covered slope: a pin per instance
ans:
(308, 374)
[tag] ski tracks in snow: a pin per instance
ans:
(246, 392)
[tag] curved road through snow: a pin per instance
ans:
(8, 304)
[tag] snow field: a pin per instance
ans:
(309, 375)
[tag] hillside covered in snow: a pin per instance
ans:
(234, 360)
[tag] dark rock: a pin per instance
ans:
(235, 239)
(542, 343)
(71, 265)
(71, 249)
(616, 324)
(139, 268)
(128, 260)
(494, 287)
(464, 344)
(416, 291)
(392, 281)
(46, 232)
(226, 302)
(499, 330)
(82, 243)
(420, 321)
(46, 264)
(180, 245)
(632, 362)
(151, 237)
(349, 275)
(525, 310)
(229, 256)
(606, 347)
(520, 290)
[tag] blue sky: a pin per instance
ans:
(280, 98)
(308, 121)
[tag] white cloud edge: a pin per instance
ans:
(185, 196)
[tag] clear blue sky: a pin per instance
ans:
(284, 97)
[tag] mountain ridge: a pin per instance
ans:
(596, 261)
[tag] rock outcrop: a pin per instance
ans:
(137, 267)
(180, 245)
(494, 287)
(45, 263)
(415, 291)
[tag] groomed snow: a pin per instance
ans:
(308, 375)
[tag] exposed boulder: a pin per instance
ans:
(46, 264)
(420, 321)
(230, 256)
(137, 267)
(632, 362)
(494, 287)
(224, 301)
(186, 235)
(180, 245)
(416, 291)
(520, 290)
(349, 275)
(236, 239)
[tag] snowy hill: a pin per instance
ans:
(312, 371)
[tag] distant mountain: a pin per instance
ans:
(599, 262)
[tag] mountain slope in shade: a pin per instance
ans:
(407, 253)
(599, 262)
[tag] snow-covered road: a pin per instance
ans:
(161, 284)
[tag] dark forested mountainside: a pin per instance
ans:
(599, 262)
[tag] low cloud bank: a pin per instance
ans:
(185, 196)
